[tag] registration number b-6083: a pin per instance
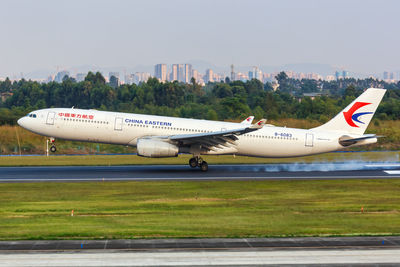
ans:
(286, 135)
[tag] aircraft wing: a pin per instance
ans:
(212, 140)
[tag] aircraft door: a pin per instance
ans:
(50, 118)
(309, 140)
(118, 124)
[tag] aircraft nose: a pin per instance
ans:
(21, 121)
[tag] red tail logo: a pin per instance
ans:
(350, 117)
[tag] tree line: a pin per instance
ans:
(224, 100)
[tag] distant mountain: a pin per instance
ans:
(322, 69)
(202, 66)
(37, 74)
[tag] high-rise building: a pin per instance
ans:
(330, 78)
(255, 74)
(177, 73)
(187, 72)
(160, 72)
(129, 78)
(386, 75)
(181, 73)
(195, 75)
(251, 75)
(241, 76)
(60, 76)
(209, 76)
(141, 77)
(337, 75)
(51, 78)
(345, 74)
(173, 76)
(258, 73)
(113, 79)
(233, 76)
(198, 77)
(115, 74)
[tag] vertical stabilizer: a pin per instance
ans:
(249, 120)
(355, 118)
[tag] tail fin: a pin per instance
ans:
(259, 124)
(249, 120)
(354, 119)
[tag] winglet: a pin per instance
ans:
(249, 120)
(259, 124)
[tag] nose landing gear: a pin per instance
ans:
(53, 147)
(198, 162)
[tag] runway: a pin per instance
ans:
(326, 251)
(204, 244)
(348, 170)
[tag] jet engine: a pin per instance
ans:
(156, 148)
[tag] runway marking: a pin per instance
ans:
(194, 249)
(226, 258)
(393, 172)
(198, 178)
(385, 165)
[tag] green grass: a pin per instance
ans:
(183, 159)
(199, 209)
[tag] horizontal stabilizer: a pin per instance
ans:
(348, 141)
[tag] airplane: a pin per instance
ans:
(248, 120)
(160, 136)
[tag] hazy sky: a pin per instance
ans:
(362, 36)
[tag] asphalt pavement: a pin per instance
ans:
(204, 244)
(361, 170)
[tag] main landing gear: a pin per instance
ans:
(53, 147)
(198, 162)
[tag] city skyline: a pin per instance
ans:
(185, 72)
(358, 36)
(320, 69)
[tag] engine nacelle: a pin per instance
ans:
(156, 148)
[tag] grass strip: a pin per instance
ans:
(190, 209)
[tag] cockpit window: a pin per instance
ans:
(34, 115)
(31, 115)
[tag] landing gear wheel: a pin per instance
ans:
(53, 149)
(193, 162)
(204, 166)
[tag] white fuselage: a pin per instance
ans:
(126, 129)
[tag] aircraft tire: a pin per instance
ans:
(53, 149)
(204, 166)
(193, 162)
